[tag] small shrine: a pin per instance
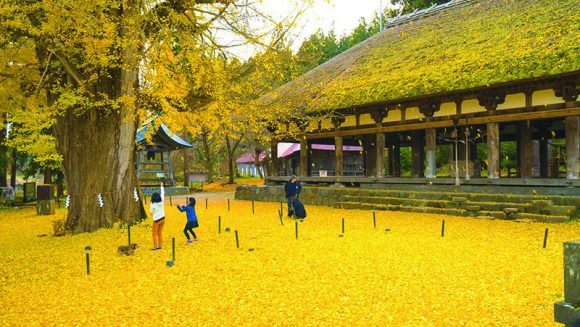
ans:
(155, 142)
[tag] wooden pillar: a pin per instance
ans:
(525, 151)
(493, 150)
(303, 157)
(544, 156)
(338, 169)
(573, 147)
(139, 164)
(417, 155)
(430, 155)
(274, 158)
(380, 152)
(170, 166)
(369, 152)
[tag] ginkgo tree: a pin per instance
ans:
(88, 65)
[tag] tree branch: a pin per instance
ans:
(70, 69)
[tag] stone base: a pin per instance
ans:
(498, 206)
(45, 207)
(566, 313)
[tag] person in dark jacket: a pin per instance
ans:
(292, 190)
(191, 220)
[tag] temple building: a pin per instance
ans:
(471, 93)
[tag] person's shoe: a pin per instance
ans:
(195, 240)
(290, 213)
(156, 248)
(189, 242)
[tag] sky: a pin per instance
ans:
(341, 15)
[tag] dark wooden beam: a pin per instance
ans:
(498, 118)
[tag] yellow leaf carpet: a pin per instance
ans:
(482, 273)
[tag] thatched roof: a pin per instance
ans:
(459, 46)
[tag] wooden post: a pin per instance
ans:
(338, 156)
(88, 261)
(573, 147)
(525, 149)
(173, 249)
(397, 157)
(493, 150)
(274, 158)
(380, 154)
(303, 157)
(430, 146)
(417, 155)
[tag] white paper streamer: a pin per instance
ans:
(8, 127)
(100, 198)
(67, 203)
(136, 195)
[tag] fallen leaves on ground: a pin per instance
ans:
(484, 273)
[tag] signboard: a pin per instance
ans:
(29, 191)
(196, 178)
(323, 173)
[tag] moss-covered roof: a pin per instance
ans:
(466, 46)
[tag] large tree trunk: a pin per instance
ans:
(207, 157)
(231, 152)
(97, 150)
(13, 169)
(98, 145)
(47, 175)
(185, 168)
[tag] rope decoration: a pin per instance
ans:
(136, 195)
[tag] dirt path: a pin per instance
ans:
(207, 195)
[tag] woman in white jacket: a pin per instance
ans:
(158, 215)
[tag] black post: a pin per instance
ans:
(228, 204)
(219, 224)
(170, 200)
(280, 216)
(145, 198)
(88, 256)
(545, 238)
(443, 228)
(374, 220)
(343, 225)
(237, 240)
(205, 203)
(296, 229)
(253, 207)
(129, 233)
(173, 249)
(281, 209)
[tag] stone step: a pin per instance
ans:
(454, 212)
(469, 205)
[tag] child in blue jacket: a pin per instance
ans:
(191, 220)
